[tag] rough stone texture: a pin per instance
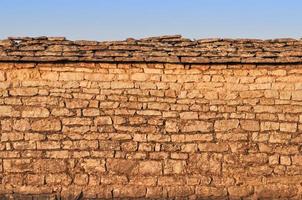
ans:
(164, 49)
(150, 130)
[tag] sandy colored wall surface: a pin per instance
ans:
(150, 130)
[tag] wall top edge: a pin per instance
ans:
(162, 49)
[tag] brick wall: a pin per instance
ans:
(150, 130)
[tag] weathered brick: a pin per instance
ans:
(197, 126)
(52, 76)
(21, 125)
(91, 112)
(71, 76)
(48, 145)
(61, 112)
(171, 126)
(46, 125)
(188, 115)
(81, 179)
(12, 136)
(265, 126)
(17, 165)
(121, 85)
(226, 125)
(93, 165)
(76, 103)
(139, 77)
(58, 179)
(174, 167)
(288, 127)
(240, 191)
(103, 120)
(150, 168)
(213, 147)
(120, 166)
(23, 91)
(210, 191)
(35, 112)
(8, 111)
(99, 77)
(2, 76)
(250, 125)
(148, 112)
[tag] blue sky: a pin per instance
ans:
(120, 19)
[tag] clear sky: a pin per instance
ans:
(120, 19)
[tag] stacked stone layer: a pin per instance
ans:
(167, 49)
(150, 130)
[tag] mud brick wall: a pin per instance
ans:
(193, 128)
